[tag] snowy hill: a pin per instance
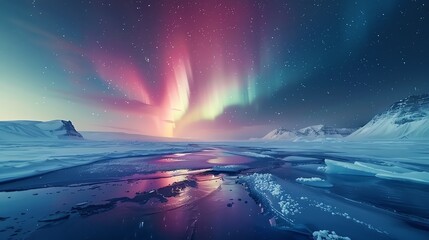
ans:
(407, 118)
(309, 133)
(37, 130)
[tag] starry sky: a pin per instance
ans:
(227, 69)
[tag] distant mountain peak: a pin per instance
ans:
(308, 133)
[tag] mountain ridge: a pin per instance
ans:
(406, 118)
(308, 133)
(38, 130)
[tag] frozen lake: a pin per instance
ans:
(219, 192)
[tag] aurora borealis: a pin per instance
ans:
(209, 69)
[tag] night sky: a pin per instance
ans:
(229, 69)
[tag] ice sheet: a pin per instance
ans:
(24, 159)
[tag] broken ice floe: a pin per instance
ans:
(269, 189)
(377, 170)
(327, 235)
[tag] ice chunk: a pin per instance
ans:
(337, 167)
(326, 235)
(361, 168)
(300, 159)
(229, 168)
(313, 181)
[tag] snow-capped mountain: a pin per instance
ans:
(308, 133)
(37, 130)
(407, 118)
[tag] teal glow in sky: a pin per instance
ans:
(209, 69)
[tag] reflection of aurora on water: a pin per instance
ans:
(213, 193)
